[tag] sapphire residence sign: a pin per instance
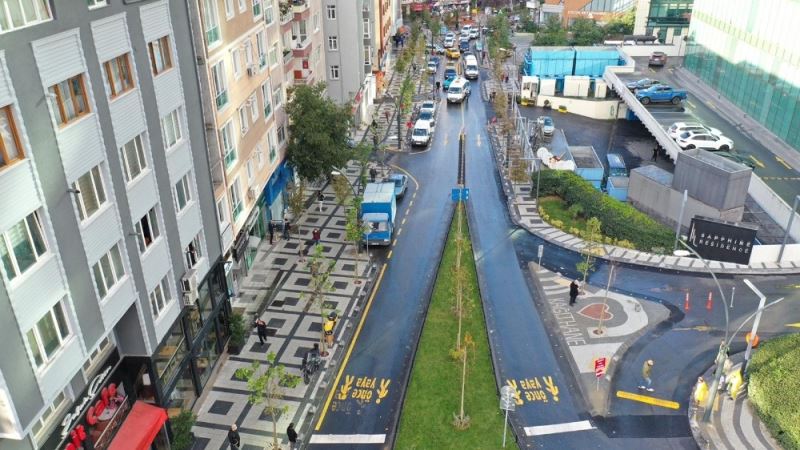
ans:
(722, 241)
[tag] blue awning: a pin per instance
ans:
(277, 182)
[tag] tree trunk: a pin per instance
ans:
(463, 380)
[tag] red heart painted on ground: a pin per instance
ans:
(596, 311)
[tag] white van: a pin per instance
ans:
(458, 91)
(421, 134)
(471, 70)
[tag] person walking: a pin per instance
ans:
(647, 372)
(372, 174)
(316, 235)
(573, 292)
(292, 435)
(271, 229)
(700, 392)
(320, 199)
(261, 329)
(286, 226)
(655, 154)
(233, 437)
(438, 85)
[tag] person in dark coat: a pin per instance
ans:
(233, 437)
(573, 292)
(271, 229)
(372, 174)
(261, 328)
(286, 227)
(292, 435)
(316, 235)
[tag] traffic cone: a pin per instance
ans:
(709, 302)
(686, 306)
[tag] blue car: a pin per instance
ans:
(400, 183)
(463, 45)
(450, 74)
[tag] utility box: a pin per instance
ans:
(530, 87)
(547, 86)
(617, 188)
(577, 86)
(711, 179)
(600, 88)
(587, 164)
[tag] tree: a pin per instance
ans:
(297, 199)
(266, 388)
(519, 171)
(552, 33)
(592, 237)
(461, 420)
(354, 230)
(407, 94)
(341, 189)
(320, 268)
(620, 25)
(182, 430)
(586, 32)
(318, 132)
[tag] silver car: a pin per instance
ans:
(547, 125)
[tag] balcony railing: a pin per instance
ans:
(299, 6)
(287, 57)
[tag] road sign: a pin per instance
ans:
(600, 367)
(507, 402)
(459, 194)
(541, 251)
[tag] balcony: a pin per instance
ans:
(299, 6)
(287, 57)
(302, 76)
(302, 47)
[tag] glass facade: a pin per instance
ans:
(666, 14)
(748, 53)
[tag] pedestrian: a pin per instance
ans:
(292, 435)
(316, 235)
(573, 292)
(372, 174)
(320, 199)
(414, 67)
(438, 85)
(505, 77)
(647, 371)
(233, 437)
(735, 383)
(655, 154)
(286, 227)
(327, 328)
(700, 392)
(271, 229)
(261, 329)
(386, 115)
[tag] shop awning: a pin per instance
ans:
(140, 428)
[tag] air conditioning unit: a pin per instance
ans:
(251, 70)
(189, 286)
(210, 126)
(252, 193)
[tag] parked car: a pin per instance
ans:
(429, 116)
(474, 33)
(400, 182)
(432, 67)
(421, 134)
(706, 141)
(453, 53)
(448, 43)
(657, 59)
(661, 94)
(547, 125)
(463, 45)
(738, 158)
(428, 106)
(678, 128)
(644, 83)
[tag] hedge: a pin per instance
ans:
(774, 388)
(619, 220)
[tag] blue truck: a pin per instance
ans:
(661, 94)
(378, 210)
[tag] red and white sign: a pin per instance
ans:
(600, 367)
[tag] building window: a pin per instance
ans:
(259, 155)
(228, 144)
(108, 271)
(229, 9)
(261, 46)
(23, 13)
(242, 6)
(248, 57)
(281, 134)
(273, 55)
(269, 15)
(22, 245)
(257, 8)
(42, 425)
(133, 159)
(315, 21)
(236, 199)
(171, 128)
(243, 123)
(161, 296)
(147, 230)
(366, 29)
(252, 103)
(367, 55)
(48, 336)
(91, 193)
(236, 60)
(331, 11)
(194, 251)
(267, 99)
(334, 72)
(273, 151)
(277, 96)
(69, 99)
(183, 192)
(251, 173)
(333, 43)
(211, 21)
(160, 55)
(119, 75)
(97, 3)
(222, 210)
(10, 146)
(220, 86)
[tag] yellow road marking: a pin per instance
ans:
(711, 105)
(389, 256)
(409, 204)
(649, 400)
(785, 164)
(399, 230)
(691, 105)
(758, 163)
(346, 358)
(793, 325)
(404, 221)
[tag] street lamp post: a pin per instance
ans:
(339, 172)
(788, 227)
(762, 299)
(724, 344)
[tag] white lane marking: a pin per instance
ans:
(347, 439)
(559, 428)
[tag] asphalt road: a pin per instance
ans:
(381, 354)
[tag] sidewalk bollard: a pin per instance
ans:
(686, 306)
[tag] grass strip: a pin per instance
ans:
(434, 391)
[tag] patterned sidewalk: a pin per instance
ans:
(292, 330)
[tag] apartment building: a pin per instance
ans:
(238, 44)
(302, 38)
(112, 289)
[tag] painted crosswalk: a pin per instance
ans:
(566, 427)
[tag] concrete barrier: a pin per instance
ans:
(769, 253)
(774, 206)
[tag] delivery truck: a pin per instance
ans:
(378, 210)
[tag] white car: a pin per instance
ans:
(547, 125)
(449, 42)
(421, 134)
(678, 128)
(690, 139)
(474, 33)
(428, 106)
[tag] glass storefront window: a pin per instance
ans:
(194, 321)
(170, 354)
(183, 395)
(207, 356)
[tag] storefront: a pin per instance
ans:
(186, 357)
(275, 192)
(115, 411)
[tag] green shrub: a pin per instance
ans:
(774, 388)
(619, 220)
